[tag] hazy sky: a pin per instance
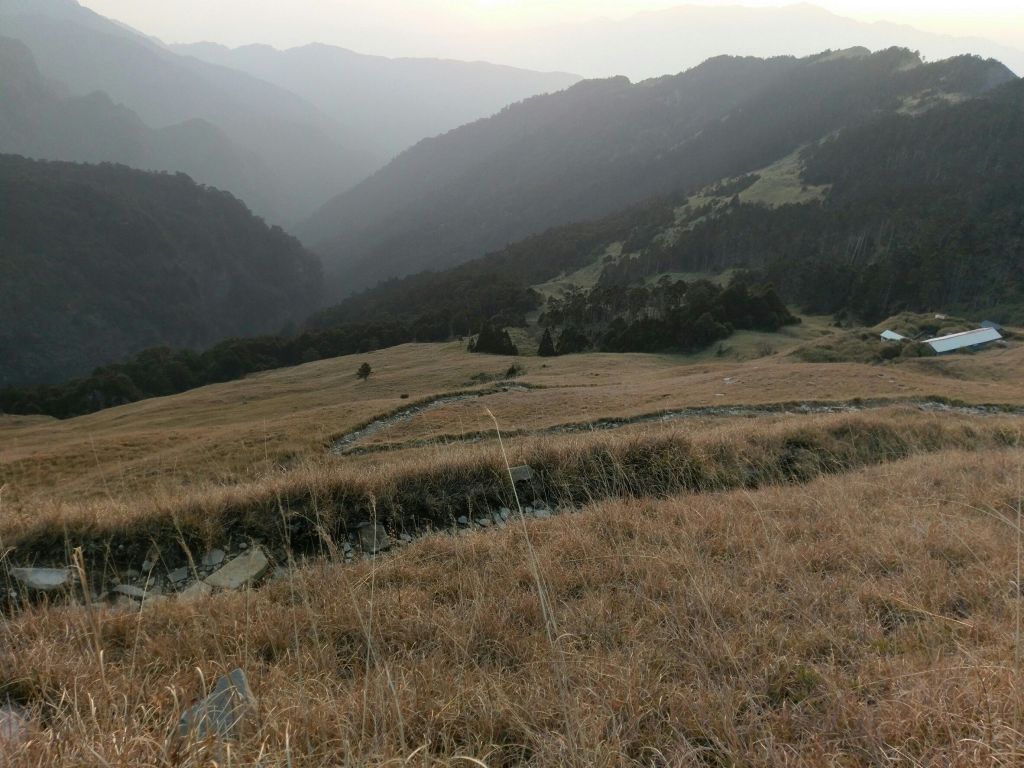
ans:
(435, 27)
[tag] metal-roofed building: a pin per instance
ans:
(964, 340)
(892, 336)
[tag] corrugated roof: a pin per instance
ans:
(892, 336)
(963, 339)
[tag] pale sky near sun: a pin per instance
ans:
(385, 26)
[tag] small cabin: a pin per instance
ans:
(964, 340)
(888, 335)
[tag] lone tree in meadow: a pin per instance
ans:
(547, 345)
(364, 371)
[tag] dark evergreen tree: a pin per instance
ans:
(547, 345)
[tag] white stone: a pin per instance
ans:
(243, 570)
(42, 579)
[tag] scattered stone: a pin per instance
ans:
(541, 513)
(243, 570)
(127, 590)
(147, 566)
(243, 545)
(484, 522)
(42, 579)
(373, 538)
(463, 521)
(504, 513)
(195, 589)
(178, 575)
(521, 474)
(212, 558)
(224, 712)
(528, 510)
(406, 538)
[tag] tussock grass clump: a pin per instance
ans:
(308, 509)
(862, 619)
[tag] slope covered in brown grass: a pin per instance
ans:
(244, 430)
(863, 619)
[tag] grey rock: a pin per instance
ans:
(406, 538)
(212, 558)
(504, 513)
(521, 474)
(484, 522)
(148, 565)
(541, 513)
(243, 545)
(462, 520)
(42, 579)
(373, 538)
(222, 714)
(243, 570)
(527, 510)
(178, 575)
(127, 590)
(194, 590)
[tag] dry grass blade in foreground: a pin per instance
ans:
(863, 619)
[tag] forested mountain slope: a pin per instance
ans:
(304, 151)
(99, 261)
(923, 212)
(603, 145)
(386, 104)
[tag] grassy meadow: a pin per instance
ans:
(759, 588)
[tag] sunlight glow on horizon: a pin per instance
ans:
(285, 23)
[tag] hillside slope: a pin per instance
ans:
(923, 213)
(386, 104)
(304, 150)
(604, 145)
(97, 262)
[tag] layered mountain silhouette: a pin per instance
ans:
(297, 144)
(386, 104)
(40, 119)
(603, 145)
(100, 261)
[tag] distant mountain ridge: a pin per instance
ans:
(40, 119)
(100, 261)
(386, 104)
(605, 144)
(297, 144)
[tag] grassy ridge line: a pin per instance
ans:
(308, 508)
(670, 414)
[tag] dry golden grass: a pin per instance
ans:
(312, 506)
(244, 430)
(866, 619)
